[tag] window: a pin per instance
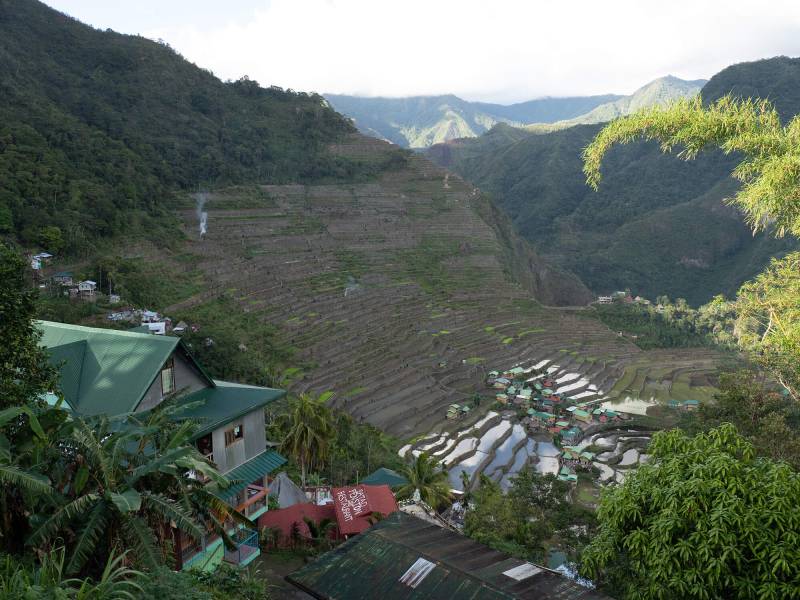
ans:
(168, 377)
(233, 435)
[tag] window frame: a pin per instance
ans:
(234, 438)
(168, 367)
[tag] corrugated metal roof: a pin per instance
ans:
(384, 476)
(371, 565)
(107, 371)
(246, 473)
(225, 402)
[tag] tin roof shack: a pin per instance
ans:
(405, 557)
(62, 278)
(691, 405)
(384, 476)
(582, 416)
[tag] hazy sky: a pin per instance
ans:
(495, 50)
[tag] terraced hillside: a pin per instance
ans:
(498, 444)
(397, 292)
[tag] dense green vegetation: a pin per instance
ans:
(235, 345)
(706, 519)
(86, 503)
(425, 476)
(24, 370)
(768, 418)
(657, 225)
(768, 317)
(534, 513)
(708, 516)
(48, 581)
(327, 445)
(668, 325)
(98, 129)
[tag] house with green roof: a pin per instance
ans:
(691, 405)
(384, 476)
(582, 415)
(112, 372)
(567, 474)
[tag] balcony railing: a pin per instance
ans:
(256, 500)
(191, 548)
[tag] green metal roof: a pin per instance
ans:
(225, 402)
(106, 371)
(384, 476)
(248, 472)
(372, 564)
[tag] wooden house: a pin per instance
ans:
(87, 288)
(62, 278)
(112, 372)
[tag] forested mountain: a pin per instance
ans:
(657, 224)
(656, 93)
(421, 121)
(97, 129)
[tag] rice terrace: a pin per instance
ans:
(404, 292)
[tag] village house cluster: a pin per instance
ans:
(541, 408)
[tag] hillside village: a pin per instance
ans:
(257, 349)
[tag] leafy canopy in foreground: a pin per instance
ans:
(768, 307)
(770, 170)
(706, 519)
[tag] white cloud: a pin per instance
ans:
(502, 50)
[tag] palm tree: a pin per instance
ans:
(129, 481)
(320, 532)
(308, 432)
(427, 476)
(23, 488)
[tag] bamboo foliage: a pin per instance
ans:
(768, 308)
(770, 151)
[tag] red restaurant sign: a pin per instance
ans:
(351, 502)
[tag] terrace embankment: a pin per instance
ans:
(399, 292)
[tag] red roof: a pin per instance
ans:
(355, 504)
(352, 508)
(284, 519)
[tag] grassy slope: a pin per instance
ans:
(657, 225)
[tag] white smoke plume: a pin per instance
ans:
(202, 216)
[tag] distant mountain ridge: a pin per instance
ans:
(422, 121)
(657, 224)
(656, 93)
